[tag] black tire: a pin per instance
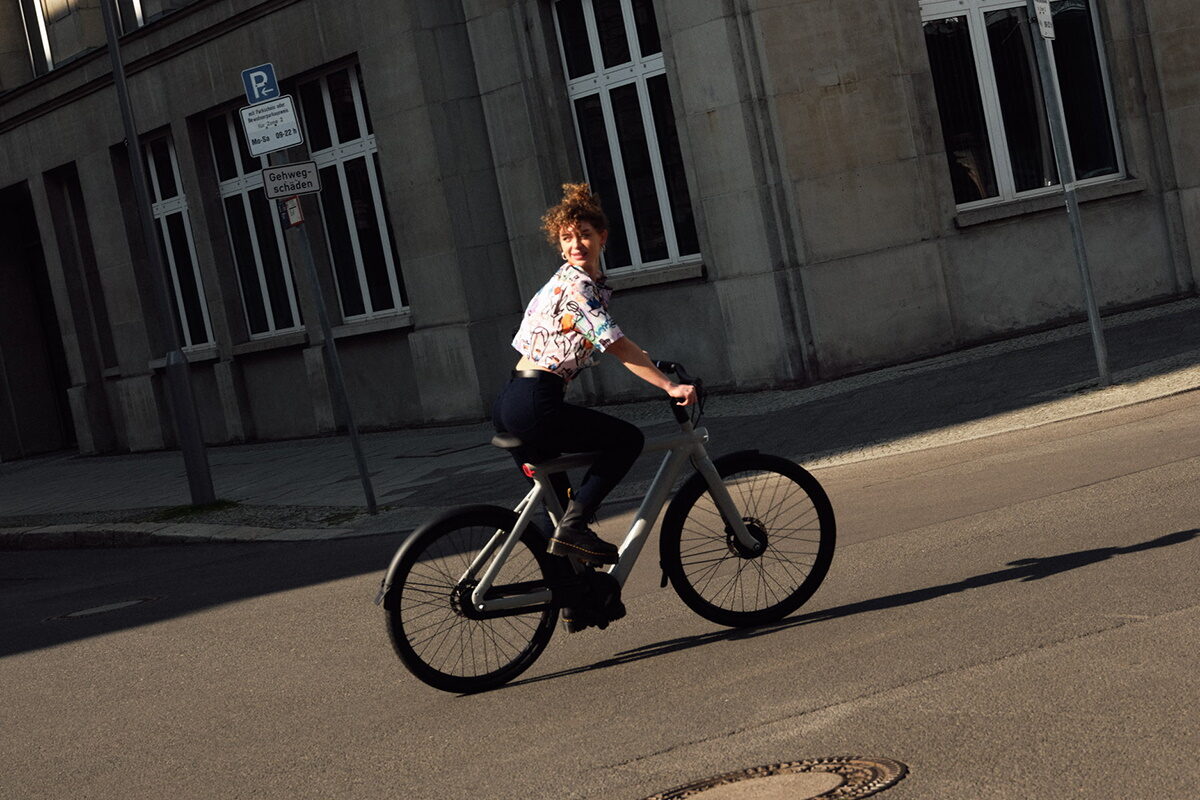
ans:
(715, 576)
(439, 642)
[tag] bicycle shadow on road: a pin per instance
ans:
(1023, 569)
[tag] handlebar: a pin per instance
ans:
(681, 414)
(677, 369)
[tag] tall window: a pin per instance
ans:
(174, 229)
(991, 104)
(255, 233)
(39, 16)
(617, 85)
(338, 131)
(59, 30)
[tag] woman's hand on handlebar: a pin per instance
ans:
(684, 394)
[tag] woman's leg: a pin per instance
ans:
(533, 409)
(574, 429)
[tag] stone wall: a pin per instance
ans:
(829, 236)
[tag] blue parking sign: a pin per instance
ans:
(260, 83)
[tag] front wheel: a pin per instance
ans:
(784, 508)
(434, 629)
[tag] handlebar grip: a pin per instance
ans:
(677, 368)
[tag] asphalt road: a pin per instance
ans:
(1011, 617)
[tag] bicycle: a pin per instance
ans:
(472, 597)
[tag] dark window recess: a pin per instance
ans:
(391, 236)
(162, 246)
(573, 32)
(341, 98)
(340, 243)
(370, 237)
(1021, 102)
(362, 96)
(639, 173)
(272, 265)
(647, 28)
(672, 160)
(186, 274)
(316, 124)
(160, 152)
(1081, 85)
(610, 25)
(239, 233)
(960, 107)
(223, 158)
(598, 160)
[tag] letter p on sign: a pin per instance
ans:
(260, 84)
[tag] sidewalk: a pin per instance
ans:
(310, 489)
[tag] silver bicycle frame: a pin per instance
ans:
(686, 445)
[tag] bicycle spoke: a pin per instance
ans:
(446, 648)
(721, 583)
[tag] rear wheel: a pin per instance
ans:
(784, 508)
(435, 630)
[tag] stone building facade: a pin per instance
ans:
(799, 189)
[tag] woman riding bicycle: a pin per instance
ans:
(566, 322)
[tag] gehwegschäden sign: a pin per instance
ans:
(289, 180)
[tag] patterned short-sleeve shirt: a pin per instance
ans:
(566, 322)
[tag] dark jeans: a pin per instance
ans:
(533, 410)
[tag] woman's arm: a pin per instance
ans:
(637, 362)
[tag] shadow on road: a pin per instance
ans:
(39, 587)
(1024, 569)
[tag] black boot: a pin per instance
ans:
(574, 538)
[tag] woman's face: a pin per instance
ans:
(581, 245)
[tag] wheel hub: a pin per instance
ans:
(460, 600)
(757, 530)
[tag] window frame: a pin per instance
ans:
(31, 13)
(602, 82)
(162, 209)
(135, 19)
(129, 18)
(242, 186)
(974, 11)
(337, 155)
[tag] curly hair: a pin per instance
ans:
(578, 205)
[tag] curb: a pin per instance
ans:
(146, 534)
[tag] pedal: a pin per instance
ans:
(572, 625)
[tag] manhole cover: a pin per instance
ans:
(842, 778)
(88, 612)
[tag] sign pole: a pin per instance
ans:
(335, 363)
(1043, 22)
(270, 125)
(178, 378)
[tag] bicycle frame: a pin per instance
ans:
(687, 445)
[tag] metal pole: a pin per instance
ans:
(179, 387)
(335, 365)
(1066, 174)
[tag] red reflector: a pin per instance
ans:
(528, 470)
